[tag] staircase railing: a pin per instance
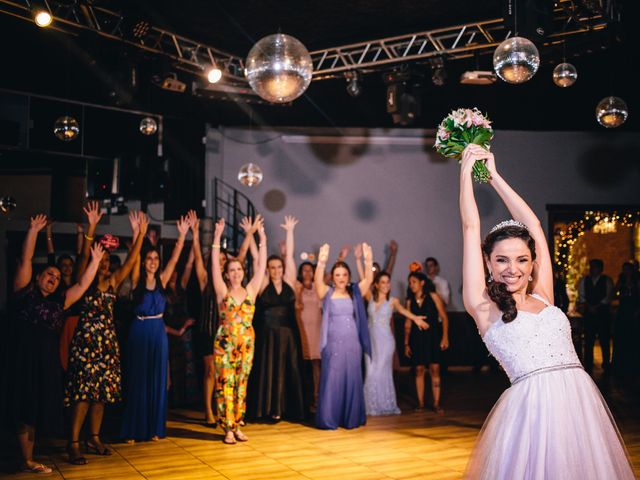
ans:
(231, 205)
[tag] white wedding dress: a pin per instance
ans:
(552, 423)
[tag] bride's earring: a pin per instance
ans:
(530, 278)
(490, 279)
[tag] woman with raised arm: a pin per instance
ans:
(34, 393)
(552, 421)
(147, 350)
(343, 340)
(424, 346)
(234, 342)
(275, 387)
(93, 376)
(379, 391)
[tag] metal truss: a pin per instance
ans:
(457, 42)
(461, 41)
(190, 55)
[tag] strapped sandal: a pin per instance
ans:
(38, 468)
(241, 437)
(75, 458)
(92, 448)
(229, 439)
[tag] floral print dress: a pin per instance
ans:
(94, 356)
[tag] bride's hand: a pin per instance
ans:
(473, 153)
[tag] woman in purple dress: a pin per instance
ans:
(344, 337)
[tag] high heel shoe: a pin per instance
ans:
(97, 448)
(75, 457)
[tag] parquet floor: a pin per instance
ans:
(409, 446)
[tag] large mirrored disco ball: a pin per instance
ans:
(66, 128)
(612, 112)
(148, 126)
(279, 68)
(7, 204)
(250, 175)
(516, 60)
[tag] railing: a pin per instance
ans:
(230, 204)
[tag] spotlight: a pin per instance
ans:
(353, 84)
(214, 74)
(438, 72)
(169, 81)
(42, 17)
(404, 96)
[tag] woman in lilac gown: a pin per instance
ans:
(344, 337)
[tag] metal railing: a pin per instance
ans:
(230, 204)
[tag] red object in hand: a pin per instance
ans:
(110, 242)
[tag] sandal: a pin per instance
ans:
(438, 410)
(241, 437)
(229, 439)
(96, 447)
(37, 468)
(75, 457)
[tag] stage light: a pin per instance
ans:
(438, 72)
(354, 88)
(214, 74)
(42, 17)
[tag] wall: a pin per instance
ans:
(375, 187)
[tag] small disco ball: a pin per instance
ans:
(516, 60)
(148, 126)
(279, 68)
(612, 112)
(250, 175)
(66, 128)
(565, 75)
(7, 204)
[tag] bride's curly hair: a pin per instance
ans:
(498, 291)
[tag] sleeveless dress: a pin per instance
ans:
(93, 373)
(379, 391)
(552, 422)
(344, 338)
(425, 344)
(310, 323)
(146, 366)
(233, 351)
(275, 386)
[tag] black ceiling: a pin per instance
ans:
(93, 69)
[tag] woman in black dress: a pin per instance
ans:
(424, 347)
(34, 389)
(275, 386)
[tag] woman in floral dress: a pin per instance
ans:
(93, 376)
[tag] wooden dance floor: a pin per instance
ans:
(414, 445)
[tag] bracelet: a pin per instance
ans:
(215, 245)
(88, 237)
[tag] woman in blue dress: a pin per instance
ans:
(147, 350)
(344, 337)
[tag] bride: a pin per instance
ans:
(552, 422)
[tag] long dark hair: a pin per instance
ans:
(374, 289)
(427, 286)
(498, 291)
(301, 266)
(138, 293)
(341, 264)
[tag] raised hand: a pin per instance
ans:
(357, 251)
(218, 230)
(290, 222)
(191, 218)
(79, 228)
(323, 254)
(473, 153)
(183, 225)
(93, 213)
(367, 253)
(257, 223)
(393, 247)
(344, 251)
(134, 220)
(143, 223)
(38, 222)
(246, 225)
(97, 252)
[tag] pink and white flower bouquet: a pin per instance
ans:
(460, 128)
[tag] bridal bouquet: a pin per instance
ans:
(460, 128)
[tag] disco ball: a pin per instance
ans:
(516, 60)
(279, 68)
(148, 126)
(565, 75)
(250, 175)
(7, 204)
(66, 128)
(612, 112)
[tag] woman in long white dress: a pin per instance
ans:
(552, 422)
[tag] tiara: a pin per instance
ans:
(508, 223)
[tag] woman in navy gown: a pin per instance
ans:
(147, 349)
(344, 337)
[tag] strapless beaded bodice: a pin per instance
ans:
(532, 342)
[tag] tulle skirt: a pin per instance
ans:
(551, 425)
